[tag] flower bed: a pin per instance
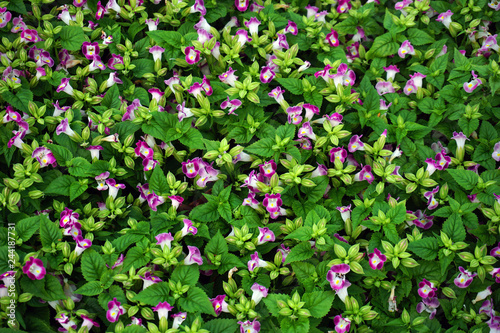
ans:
(255, 167)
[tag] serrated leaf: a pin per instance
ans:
(196, 300)
(217, 245)
(318, 302)
(315, 193)
(72, 37)
(90, 289)
(19, 100)
(294, 326)
(27, 227)
(207, 212)
(158, 182)
(192, 139)
(222, 325)
(60, 186)
(49, 288)
(454, 228)
(300, 252)
(383, 46)
(426, 248)
(271, 302)
(419, 37)
(187, 275)
(262, 148)
(49, 233)
(93, 265)
(79, 167)
(172, 38)
(302, 234)
(112, 98)
(294, 86)
(76, 189)
(154, 294)
(135, 257)
(465, 178)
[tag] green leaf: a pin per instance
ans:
(187, 275)
(135, 329)
(318, 302)
(304, 272)
(158, 182)
(300, 252)
(217, 245)
(49, 233)
(60, 186)
(207, 212)
(468, 125)
(465, 178)
(61, 153)
(49, 288)
(154, 294)
(451, 94)
(229, 261)
(390, 232)
(143, 66)
(271, 302)
(90, 289)
(4, 258)
(76, 189)
(383, 46)
(112, 98)
(300, 325)
(419, 37)
(302, 234)
(454, 228)
(426, 248)
(222, 325)
(192, 139)
(72, 37)
(93, 265)
(315, 193)
(79, 167)
(27, 227)
(224, 210)
(172, 38)
(314, 98)
(196, 300)
(98, 167)
(17, 6)
(397, 214)
(292, 85)
(135, 257)
(487, 131)
(19, 100)
(262, 148)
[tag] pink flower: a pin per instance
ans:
(194, 256)
(231, 104)
(90, 50)
(428, 304)
(464, 278)
(496, 274)
(164, 239)
(268, 169)
(495, 252)
(249, 326)
(44, 156)
(265, 235)
(336, 276)
(115, 310)
(291, 28)
(426, 289)
(406, 48)
(241, 5)
(364, 174)
(190, 168)
(5, 17)
(266, 75)
(342, 325)
(472, 85)
(384, 87)
(338, 153)
(391, 72)
(445, 18)
(259, 292)
(432, 203)
(219, 304)
(272, 202)
(192, 55)
(162, 309)
(34, 269)
(355, 144)
(149, 280)
(188, 228)
(229, 77)
(255, 262)
(376, 259)
(333, 38)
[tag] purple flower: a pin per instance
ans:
(272, 202)
(188, 228)
(464, 278)
(426, 289)
(18, 25)
(342, 325)
(445, 18)
(294, 114)
(113, 187)
(338, 153)
(253, 25)
(391, 72)
(284, 252)
(343, 6)
(345, 212)
(376, 259)
(428, 304)
(249, 326)
(482, 295)
(66, 323)
(190, 168)
(90, 50)
(251, 201)
(333, 38)
(259, 292)
(291, 28)
(198, 7)
(65, 86)
(194, 256)
(5, 17)
(472, 85)
(149, 280)
(231, 104)
(442, 161)
(87, 321)
(255, 262)
(118, 262)
(496, 274)
(384, 87)
(495, 252)
(265, 235)
(96, 64)
(355, 144)
(496, 152)
(241, 5)
(406, 48)
(178, 319)
(30, 35)
(336, 276)
(422, 221)
(44, 156)
(162, 309)
(192, 55)
(364, 174)
(81, 244)
(410, 88)
(321, 170)
(115, 310)
(432, 203)
(266, 75)
(164, 239)
(219, 304)
(94, 151)
(268, 169)
(311, 110)
(157, 51)
(152, 24)
(63, 127)
(154, 200)
(114, 60)
(34, 269)
(242, 36)
(229, 77)
(306, 131)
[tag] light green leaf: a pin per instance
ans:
(154, 294)
(27, 227)
(271, 302)
(217, 245)
(454, 228)
(292, 85)
(262, 148)
(49, 233)
(90, 289)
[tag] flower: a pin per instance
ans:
(34, 269)
(5, 17)
(219, 304)
(442, 161)
(81, 244)
(94, 151)
(333, 38)
(432, 203)
(18, 25)
(90, 50)
(336, 276)
(259, 292)
(63, 127)
(391, 72)
(249, 326)
(496, 274)
(472, 85)
(255, 262)
(115, 310)
(428, 304)
(44, 156)
(192, 55)
(355, 144)
(345, 212)
(426, 289)
(242, 36)
(422, 221)
(364, 174)
(190, 168)
(188, 228)
(178, 319)
(96, 64)
(268, 169)
(306, 131)
(384, 87)
(153, 24)
(338, 153)
(291, 28)
(321, 170)
(311, 110)
(87, 321)
(284, 252)
(464, 278)
(156, 51)
(445, 18)
(241, 5)
(228, 77)
(495, 252)
(65, 86)
(482, 295)
(194, 256)
(162, 309)
(198, 7)
(265, 235)
(30, 35)
(376, 259)
(113, 187)
(164, 239)
(253, 25)
(118, 262)
(231, 104)
(272, 202)
(66, 323)
(154, 200)
(266, 75)
(342, 325)
(294, 114)
(149, 280)
(251, 201)
(406, 48)
(496, 152)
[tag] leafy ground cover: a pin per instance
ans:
(224, 166)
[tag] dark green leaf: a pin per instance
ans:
(419, 37)
(292, 85)
(271, 302)
(154, 294)
(49, 233)
(187, 275)
(72, 37)
(27, 227)
(318, 302)
(158, 182)
(76, 189)
(222, 325)
(454, 228)
(196, 300)
(217, 245)
(60, 186)
(93, 265)
(465, 178)
(61, 153)
(300, 252)
(112, 98)
(262, 148)
(90, 289)
(19, 100)
(426, 248)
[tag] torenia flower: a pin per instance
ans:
(442, 161)
(249, 326)
(229, 77)
(164, 239)
(429, 304)
(294, 114)
(460, 140)
(267, 74)
(333, 38)
(406, 48)
(65, 86)
(432, 203)
(268, 169)
(90, 50)
(162, 309)
(384, 87)
(241, 5)
(88, 322)
(306, 131)
(192, 55)
(376, 259)
(113, 187)
(311, 110)
(44, 156)
(253, 25)
(259, 292)
(194, 256)
(272, 202)
(66, 323)
(154, 200)
(342, 325)
(464, 278)
(199, 7)
(96, 64)
(472, 85)
(355, 144)
(94, 151)
(410, 88)
(231, 104)
(219, 304)
(422, 221)
(63, 127)
(156, 51)
(445, 18)
(30, 35)
(251, 201)
(115, 310)
(495, 252)
(494, 4)
(190, 168)
(496, 274)
(255, 262)
(82, 244)
(291, 28)
(152, 24)
(391, 72)
(336, 276)
(149, 280)
(242, 36)
(345, 212)
(321, 170)
(18, 25)
(176, 200)
(265, 235)
(5, 17)
(482, 295)
(184, 112)
(426, 289)
(496, 152)
(364, 174)
(143, 150)
(188, 228)
(338, 153)
(178, 319)
(34, 269)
